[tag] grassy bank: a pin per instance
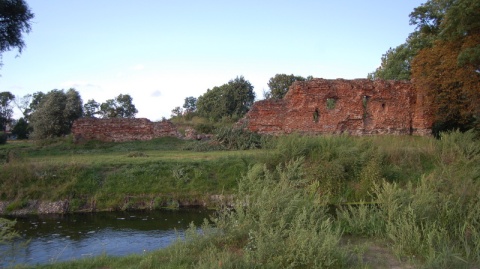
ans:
(116, 176)
(331, 202)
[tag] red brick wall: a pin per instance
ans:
(121, 129)
(357, 107)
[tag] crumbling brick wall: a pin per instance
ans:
(356, 107)
(121, 129)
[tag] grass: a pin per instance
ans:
(106, 173)
(411, 200)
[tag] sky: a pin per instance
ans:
(161, 51)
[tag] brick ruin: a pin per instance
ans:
(318, 106)
(119, 129)
(355, 107)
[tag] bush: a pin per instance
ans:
(238, 138)
(275, 224)
(3, 138)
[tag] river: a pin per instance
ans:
(54, 238)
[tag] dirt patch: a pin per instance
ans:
(374, 254)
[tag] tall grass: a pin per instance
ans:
(435, 221)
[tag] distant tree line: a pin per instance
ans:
(48, 115)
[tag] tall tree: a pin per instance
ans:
(190, 104)
(34, 103)
(55, 113)
(15, 16)
(21, 129)
(73, 106)
(91, 108)
(279, 85)
(396, 62)
(239, 96)
(448, 73)
(120, 107)
(232, 99)
(6, 110)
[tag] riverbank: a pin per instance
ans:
(64, 177)
(35, 207)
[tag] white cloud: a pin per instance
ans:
(77, 84)
(156, 93)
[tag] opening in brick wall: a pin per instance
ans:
(331, 102)
(316, 115)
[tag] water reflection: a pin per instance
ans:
(59, 238)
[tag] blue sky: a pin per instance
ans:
(162, 51)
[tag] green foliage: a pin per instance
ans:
(21, 129)
(55, 113)
(6, 111)
(235, 138)
(3, 138)
(15, 19)
(435, 221)
(274, 224)
(445, 41)
(279, 85)
(395, 63)
(233, 99)
(7, 232)
(331, 102)
(91, 108)
(120, 107)
(190, 104)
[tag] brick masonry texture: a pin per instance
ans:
(119, 129)
(355, 107)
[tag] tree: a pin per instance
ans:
(190, 104)
(21, 129)
(120, 107)
(35, 102)
(232, 99)
(453, 89)
(23, 103)
(211, 104)
(6, 110)
(55, 113)
(279, 85)
(177, 111)
(239, 96)
(448, 72)
(73, 107)
(91, 108)
(15, 16)
(396, 62)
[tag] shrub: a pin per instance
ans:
(234, 138)
(275, 224)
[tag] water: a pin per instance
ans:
(54, 238)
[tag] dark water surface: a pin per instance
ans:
(53, 238)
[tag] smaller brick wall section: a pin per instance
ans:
(119, 130)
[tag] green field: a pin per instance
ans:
(300, 201)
